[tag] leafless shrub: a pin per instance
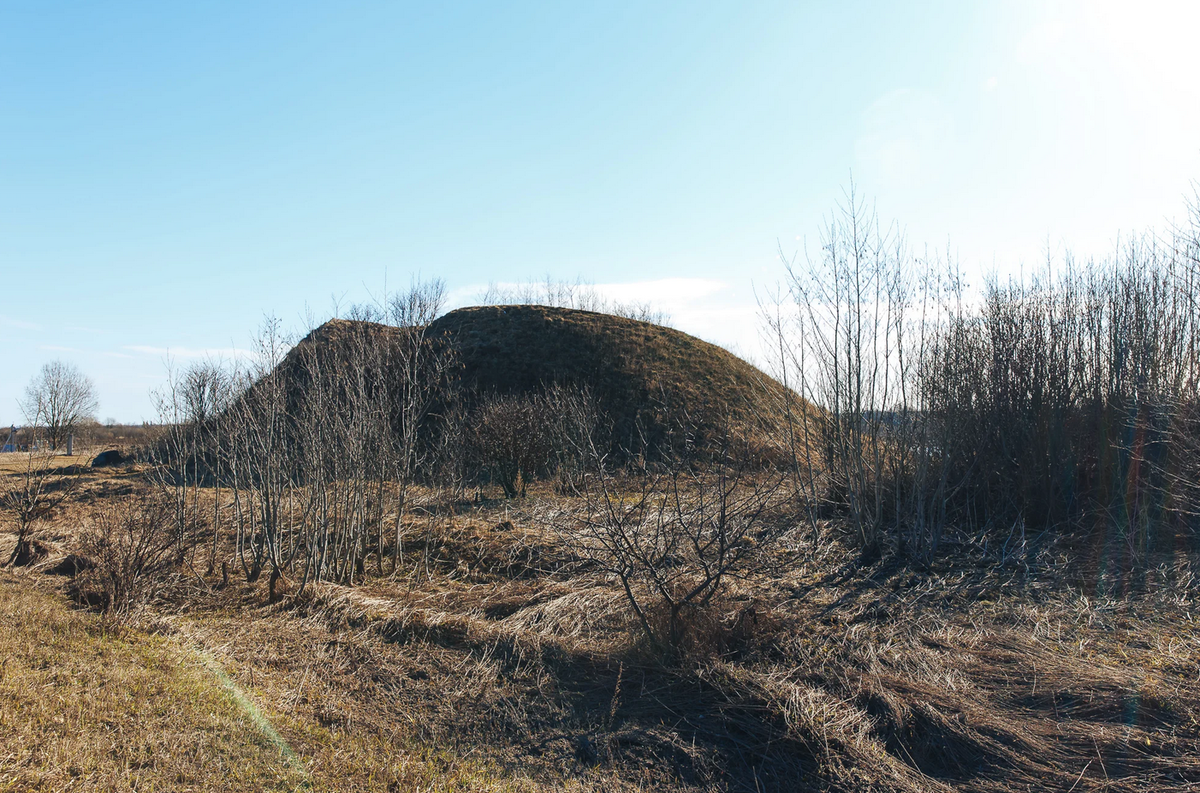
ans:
(129, 545)
(576, 423)
(518, 438)
(674, 536)
(30, 495)
(511, 440)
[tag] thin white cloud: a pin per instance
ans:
(734, 326)
(10, 322)
(709, 308)
(57, 348)
(189, 353)
(663, 292)
(464, 295)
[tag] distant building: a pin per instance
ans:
(10, 443)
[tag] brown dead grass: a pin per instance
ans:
(87, 706)
(493, 663)
(222, 703)
(17, 462)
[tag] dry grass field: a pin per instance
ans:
(17, 462)
(91, 706)
(494, 661)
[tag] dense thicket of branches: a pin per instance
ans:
(1066, 400)
(311, 452)
(515, 439)
(315, 450)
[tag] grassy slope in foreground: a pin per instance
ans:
(88, 706)
(83, 707)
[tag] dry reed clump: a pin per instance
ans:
(727, 628)
(836, 732)
(580, 612)
(983, 695)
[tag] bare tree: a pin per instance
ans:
(60, 397)
(850, 303)
(129, 545)
(188, 450)
(264, 422)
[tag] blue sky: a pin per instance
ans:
(169, 173)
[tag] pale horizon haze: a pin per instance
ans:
(169, 174)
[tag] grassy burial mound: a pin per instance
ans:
(649, 382)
